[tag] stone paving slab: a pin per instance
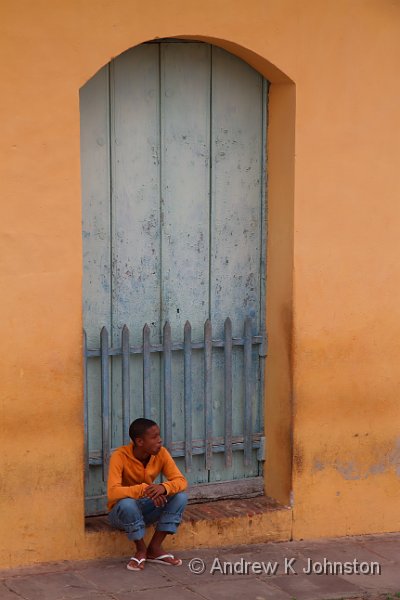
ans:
(68, 586)
(171, 593)
(389, 549)
(336, 551)
(315, 587)
(6, 594)
(92, 595)
(279, 553)
(241, 590)
(388, 581)
(117, 578)
(184, 576)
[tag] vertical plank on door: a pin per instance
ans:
(94, 133)
(136, 266)
(235, 237)
(258, 423)
(185, 141)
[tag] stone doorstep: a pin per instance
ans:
(213, 524)
(214, 510)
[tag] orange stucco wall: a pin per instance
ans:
(333, 377)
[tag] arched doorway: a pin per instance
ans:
(174, 230)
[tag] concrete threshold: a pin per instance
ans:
(205, 525)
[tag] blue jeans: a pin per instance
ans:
(132, 516)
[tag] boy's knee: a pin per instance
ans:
(181, 498)
(128, 508)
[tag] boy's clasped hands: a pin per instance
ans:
(157, 493)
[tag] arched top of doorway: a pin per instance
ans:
(266, 68)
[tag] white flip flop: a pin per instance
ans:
(159, 559)
(139, 561)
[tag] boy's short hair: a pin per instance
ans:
(139, 426)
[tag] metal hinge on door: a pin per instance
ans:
(261, 449)
(264, 343)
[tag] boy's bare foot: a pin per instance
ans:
(138, 564)
(157, 554)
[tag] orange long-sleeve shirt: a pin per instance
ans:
(128, 477)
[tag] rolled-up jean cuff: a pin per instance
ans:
(169, 522)
(168, 527)
(134, 531)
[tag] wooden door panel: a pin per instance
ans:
(185, 173)
(236, 200)
(135, 210)
(95, 148)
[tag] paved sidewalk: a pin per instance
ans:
(251, 573)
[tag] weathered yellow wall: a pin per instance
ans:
(333, 247)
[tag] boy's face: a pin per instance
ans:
(151, 441)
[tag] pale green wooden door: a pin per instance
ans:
(173, 163)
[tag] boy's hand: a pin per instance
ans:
(160, 501)
(155, 491)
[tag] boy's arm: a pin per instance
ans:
(115, 489)
(176, 482)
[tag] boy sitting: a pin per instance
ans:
(135, 501)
